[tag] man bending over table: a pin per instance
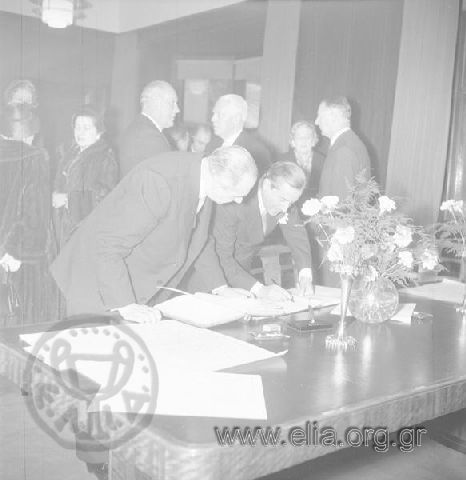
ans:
(149, 231)
(240, 230)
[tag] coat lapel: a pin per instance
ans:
(254, 222)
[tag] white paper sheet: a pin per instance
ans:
(404, 313)
(448, 291)
(200, 311)
(256, 307)
(185, 357)
(171, 343)
(202, 394)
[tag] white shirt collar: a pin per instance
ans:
(152, 120)
(262, 209)
(229, 141)
(202, 186)
(334, 138)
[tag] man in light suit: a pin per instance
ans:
(144, 138)
(240, 230)
(150, 230)
(228, 118)
(347, 155)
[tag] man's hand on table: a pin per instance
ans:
(139, 313)
(271, 292)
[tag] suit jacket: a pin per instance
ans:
(141, 140)
(238, 233)
(144, 234)
(253, 144)
(344, 160)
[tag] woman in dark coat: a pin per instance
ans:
(86, 173)
(24, 220)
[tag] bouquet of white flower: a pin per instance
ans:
(365, 235)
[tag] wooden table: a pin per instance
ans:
(398, 376)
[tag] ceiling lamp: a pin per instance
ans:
(59, 13)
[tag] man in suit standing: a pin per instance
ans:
(150, 230)
(228, 118)
(240, 230)
(144, 138)
(347, 155)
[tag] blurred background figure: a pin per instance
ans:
(179, 137)
(303, 139)
(24, 92)
(21, 92)
(24, 220)
(200, 138)
(87, 172)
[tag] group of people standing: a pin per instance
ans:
(42, 201)
(175, 210)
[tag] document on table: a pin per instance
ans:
(200, 394)
(187, 360)
(256, 307)
(183, 346)
(170, 343)
(447, 290)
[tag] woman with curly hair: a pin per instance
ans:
(87, 171)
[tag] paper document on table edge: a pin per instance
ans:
(256, 307)
(178, 345)
(202, 394)
(448, 290)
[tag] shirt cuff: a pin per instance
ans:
(255, 288)
(305, 272)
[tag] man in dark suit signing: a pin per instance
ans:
(347, 155)
(150, 230)
(228, 118)
(240, 230)
(144, 138)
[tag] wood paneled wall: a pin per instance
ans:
(455, 184)
(278, 71)
(64, 64)
(125, 92)
(351, 48)
(421, 117)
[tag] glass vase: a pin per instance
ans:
(373, 301)
(340, 340)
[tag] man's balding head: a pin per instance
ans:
(232, 173)
(159, 102)
(229, 115)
